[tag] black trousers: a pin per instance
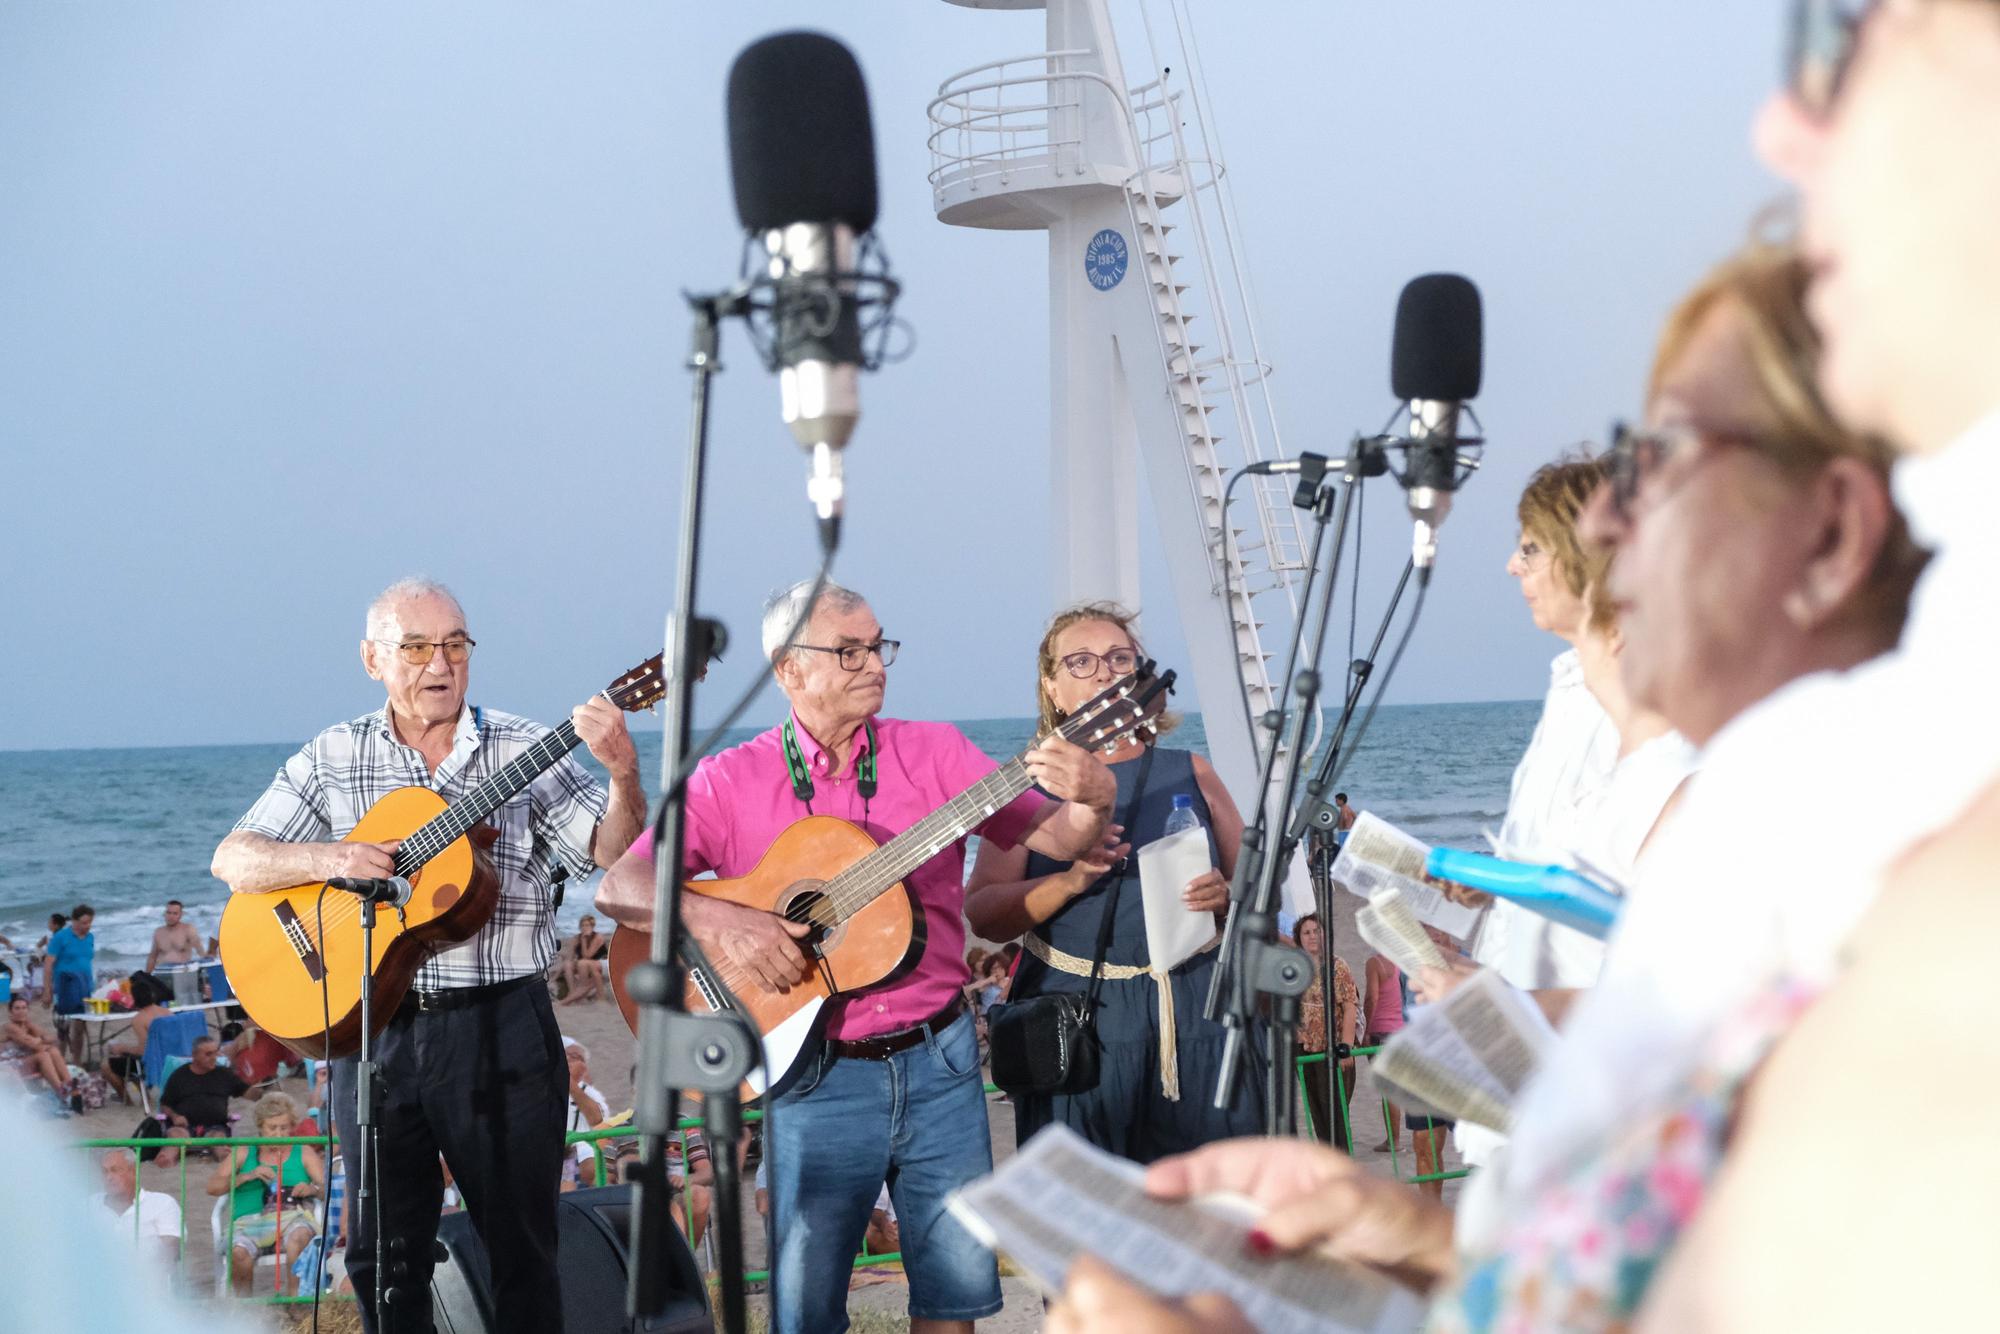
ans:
(485, 1085)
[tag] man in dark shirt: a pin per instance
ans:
(195, 1101)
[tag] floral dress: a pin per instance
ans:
(1582, 1259)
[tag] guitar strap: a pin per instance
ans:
(802, 783)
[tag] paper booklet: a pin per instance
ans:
(1060, 1197)
(1469, 1056)
(1377, 856)
(1166, 865)
(1388, 925)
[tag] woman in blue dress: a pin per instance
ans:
(1159, 1056)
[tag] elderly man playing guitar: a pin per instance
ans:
(472, 1059)
(893, 1092)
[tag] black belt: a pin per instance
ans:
(457, 998)
(888, 1044)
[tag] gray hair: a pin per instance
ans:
(122, 1156)
(787, 606)
(414, 586)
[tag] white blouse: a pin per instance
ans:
(1560, 779)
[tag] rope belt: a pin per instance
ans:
(1170, 1063)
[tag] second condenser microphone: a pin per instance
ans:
(1434, 369)
(802, 160)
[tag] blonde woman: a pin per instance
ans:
(274, 1192)
(1159, 1057)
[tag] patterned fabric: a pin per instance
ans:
(322, 792)
(1312, 1009)
(1581, 1259)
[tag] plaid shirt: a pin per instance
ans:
(322, 792)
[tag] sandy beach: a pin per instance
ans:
(878, 1296)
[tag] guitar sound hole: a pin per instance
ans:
(800, 906)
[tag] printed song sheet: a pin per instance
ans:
(1060, 1197)
(1387, 923)
(1469, 1056)
(1379, 856)
(1166, 866)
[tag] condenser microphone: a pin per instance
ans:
(802, 161)
(1434, 369)
(393, 890)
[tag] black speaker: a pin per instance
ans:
(591, 1227)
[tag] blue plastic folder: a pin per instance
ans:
(1556, 892)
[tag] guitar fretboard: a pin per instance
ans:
(857, 886)
(449, 825)
(854, 888)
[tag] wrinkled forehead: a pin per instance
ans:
(429, 618)
(832, 627)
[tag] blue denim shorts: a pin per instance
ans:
(916, 1120)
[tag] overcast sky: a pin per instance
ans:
(298, 299)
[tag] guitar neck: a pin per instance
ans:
(451, 824)
(859, 885)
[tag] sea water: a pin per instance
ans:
(126, 830)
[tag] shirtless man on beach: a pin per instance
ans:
(176, 942)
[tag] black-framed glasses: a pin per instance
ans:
(1636, 456)
(1820, 47)
(1083, 664)
(853, 657)
(418, 653)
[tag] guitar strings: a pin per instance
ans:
(847, 892)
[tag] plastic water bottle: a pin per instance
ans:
(1182, 816)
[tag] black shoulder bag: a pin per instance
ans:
(1048, 1044)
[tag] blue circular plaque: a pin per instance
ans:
(1104, 260)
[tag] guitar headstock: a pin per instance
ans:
(641, 688)
(1132, 703)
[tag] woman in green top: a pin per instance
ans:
(273, 1192)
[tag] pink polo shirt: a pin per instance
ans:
(740, 801)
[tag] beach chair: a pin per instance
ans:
(261, 1279)
(171, 1036)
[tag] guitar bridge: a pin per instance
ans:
(302, 944)
(711, 995)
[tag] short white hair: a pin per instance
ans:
(414, 586)
(787, 607)
(122, 1156)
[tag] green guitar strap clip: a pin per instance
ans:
(802, 783)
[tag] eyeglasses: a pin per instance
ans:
(1819, 49)
(1531, 553)
(1121, 661)
(418, 653)
(853, 657)
(1637, 456)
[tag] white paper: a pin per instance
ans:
(1166, 865)
(1470, 1055)
(1378, 856)
(1060, 1197)
(1387, 923)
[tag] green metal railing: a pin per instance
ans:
(601, 1174)
(1340, 1110)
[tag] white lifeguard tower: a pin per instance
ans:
(1154, 360)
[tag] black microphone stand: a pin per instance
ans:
(1254, 971)
(1319, 818)
(368, 1115)
(711, 1054)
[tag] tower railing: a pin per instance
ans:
(1018, 124)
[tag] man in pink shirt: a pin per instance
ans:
(894, 1092)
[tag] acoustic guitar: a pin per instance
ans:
(867, 927)
(293, 955)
